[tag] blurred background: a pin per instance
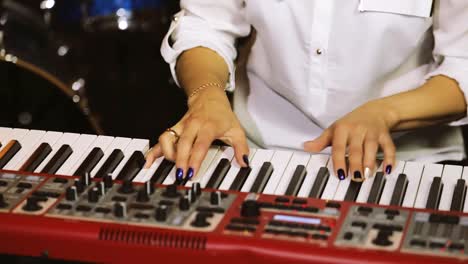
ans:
(87, 66)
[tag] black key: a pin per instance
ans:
(110, 164)
(296, 180)
(36, 158)
(400, 190)
(58, 159)
(8, 152)
(434, 193)
(353, 191)
(240, 178)
(134, 165)
(262, 178)
(320, 183)
(89, 162)
(163, 170)
(377, 188)
(459, 194)
(218, 174)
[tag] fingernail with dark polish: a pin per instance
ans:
(341, 174)
(388, 169)
(245, 158)
(190, 173)
(179, 174)
(357, 175)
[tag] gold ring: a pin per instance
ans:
(174, 133)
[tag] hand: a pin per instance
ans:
(209, 117)
(361, 132)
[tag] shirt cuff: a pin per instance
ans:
(456, 69)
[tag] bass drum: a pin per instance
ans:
(38, 88)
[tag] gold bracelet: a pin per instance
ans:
(203, 86)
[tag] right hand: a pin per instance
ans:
(209, 117)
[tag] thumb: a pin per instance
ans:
(318, 144)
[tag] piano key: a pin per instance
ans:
(353, 191)
(315, 163)
(281, 160)
(450, 176)
(90, 162)
(199, 175)
(57, 160)
(134, 164)
(298, 158)
(429, 172)
(102, 143)
(235, 168)
(36, 157)
(390, 181)
(262, 178)
(162, 172)
(27, 144)
(459, 195)
(413, 171)
(434, 193)
(15, 134)
(79, 148)
(296, 180)
(321, 181)
(118, 143)
(261, 156)
(7, 152)
(240, 179)
(377, 188)
(342, 189)
(332, 184)
(141, 145)
(400, 190)
(219, 173)
(145, 174)
(465, 177)
(366, 185)
(4, 135)
(114, 159)
(220, 154)
(65, 139)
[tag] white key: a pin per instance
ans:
(50, 138)
(315, 163)
(430, 171)
(223, 153)
(135, 145)
(66, 139)
(261, 156)
(332, 184)
(118, 143)
(465, 177)
(450, 177)
(413, 171)
(298, 158)
(145, 174)
(79, 147)
(16, 134)
(366, 185)
(232, 173)
(4, 134)
(210, 155)
(27, 143)
(280, 161)
(342, 188)
(390, 183)
(102, 142)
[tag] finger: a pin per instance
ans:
(389, 150)
(340, 139)
(152, 155)
(184, 147)
(241, 149)
(371, 146)
(318, 144)
(355, 155)
(200, 148)
(168, 145)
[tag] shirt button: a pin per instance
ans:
(319, 51)
(175, 18)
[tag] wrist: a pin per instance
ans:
(387, 111)
(208, 93)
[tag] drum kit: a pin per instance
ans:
(49, 50)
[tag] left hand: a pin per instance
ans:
(361, 132)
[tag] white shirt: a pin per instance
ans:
(314, 61)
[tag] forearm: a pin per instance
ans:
(438, 100)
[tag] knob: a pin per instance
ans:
(196, 188)
(32, 205)
(200, 220)
(101, 188)
(107, 181)
(215, 198)
(93, 195)
(127, 187)
(171, 191)
(120, 210)
(3, 204)
(382, 238)
(161, 213)
(250, 208)
(191, 195)
(149, 187)
(142, 196)
(79, 186)
(184, 203)
(71, 193)
(86, 179)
